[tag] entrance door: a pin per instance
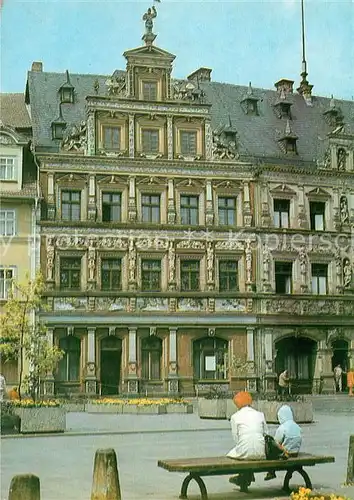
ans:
(340, 357)
(111, 355)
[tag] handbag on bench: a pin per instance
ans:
(273, 450)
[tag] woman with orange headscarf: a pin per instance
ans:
(350, 381)
(248, 427)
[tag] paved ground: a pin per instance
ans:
(64, 463)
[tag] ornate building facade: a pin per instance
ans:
(192, 232)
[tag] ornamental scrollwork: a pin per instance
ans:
(75, 140)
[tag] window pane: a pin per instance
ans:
(314, 286)
(150, 91)
(111, 138)
(150, 141)
(322, 285)
(284, 219)
(319, 226)
(188, 142)
(277, 219)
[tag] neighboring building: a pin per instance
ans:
(19, 200)
(189, 226)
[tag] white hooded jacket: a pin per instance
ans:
(248, 427)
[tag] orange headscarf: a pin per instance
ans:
(350, 378)
(242, 399)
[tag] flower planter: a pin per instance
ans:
(74, 407)
(104, 408)
(303, 411)
(212, 408)
(41, 419)
(145, 409)
(179, 408)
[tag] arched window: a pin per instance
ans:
(69, 365)
(151, 354)
(210, 358)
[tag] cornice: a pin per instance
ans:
(99, 103)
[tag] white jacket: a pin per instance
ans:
(248, 427)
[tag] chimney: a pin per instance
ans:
(200, 75)
(37, 66)
(284, 85)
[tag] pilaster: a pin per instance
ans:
(270, 376)
(208, 140)
(132, 212)
(90, 379)
(91, 133)
(50, 196)
(48, 383)
(171, 210)
(251, 374)
(91, 208)
(173, 368)
(247, 213)
(131, 136)
(169, 137)
(209, 211)
(133, 385)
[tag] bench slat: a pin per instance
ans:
(214, 465)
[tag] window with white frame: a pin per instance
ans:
(317, 215)
(319, 279)
(7, 168)
(281, 213)
(7, 222)
(189, 206)
(6, 277)
(227, 211)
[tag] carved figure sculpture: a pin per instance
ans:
(344, 212)
(132, 260)
(210, 261)
(171, 262)
(266, 260)
(50, 257)
(327, 159)
(347, 273)
(91, 260)
(341, 159)
(148, 18)
(76, 139)
(248, 252)
(303, 260)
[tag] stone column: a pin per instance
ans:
(91, 134)
(208, 140)
(326, 374)
(132, 213)
(251, 375)
(48, 384)
(91, 207)
(172, 367)
(169, 137)
(50, 197)
(270, 375)
(171, 210)
(209, 209)
(90, 379)
(247, 214)
(335, 214)
(265, 214)
(131, 136)
(133, 386)
(301, 215)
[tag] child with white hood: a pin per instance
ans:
(288, 435)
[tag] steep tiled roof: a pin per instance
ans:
(13, 111)
(257, 136)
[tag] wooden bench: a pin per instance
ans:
(221, 466)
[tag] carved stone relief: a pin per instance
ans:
(152, 304)
(347, 273)
(75, 140)
(344, 212)
(192, 304)
(235, 305)
(191, 245)
(109, 304)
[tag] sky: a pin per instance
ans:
(242, 41)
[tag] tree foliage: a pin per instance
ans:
(23, 335)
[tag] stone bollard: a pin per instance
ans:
(350, 471)
(105, 484)
(25, 487)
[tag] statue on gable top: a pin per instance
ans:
(148, 18)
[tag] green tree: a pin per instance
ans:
(23, 335)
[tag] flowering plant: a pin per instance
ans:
(138, 401)
(306, 494)
(29, 403)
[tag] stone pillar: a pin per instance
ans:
(133, 386)
(251, 374)
(91, 380)
(350, 468)
(172, 367)
(327, 380)
(105, 482)
(91, 208)
(171, 266)
(132, 213)
(265, 214)
(247, 214)
(48, 384)
(91, 134)
(169, 137)
(171, 210)
(208, 140)
(209, 209)
(131, 136)
(270, 375)
(25, 487)
(50, 196)
(301, 216)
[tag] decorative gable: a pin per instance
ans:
(282, 191)
(318, 193)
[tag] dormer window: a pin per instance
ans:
(250, 102)
(290, 145)
(66, 91)
(288, 140)
(149, 91)
(333, 114)
(58, 129)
